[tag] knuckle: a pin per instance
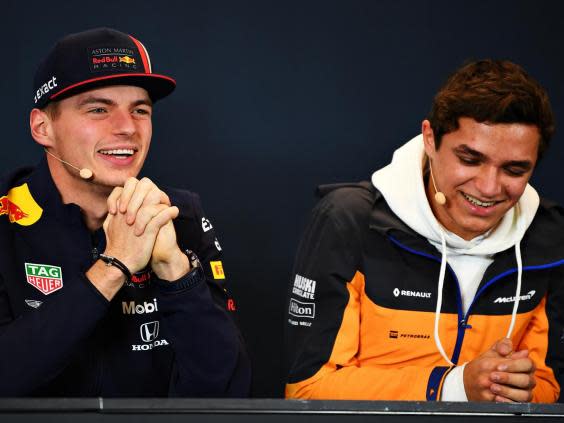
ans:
(501, 377)
(483, 381)
(116, 191)
(131, 180)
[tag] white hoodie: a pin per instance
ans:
(401, 183)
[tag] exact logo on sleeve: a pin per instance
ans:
(44, 277)
(217, 269)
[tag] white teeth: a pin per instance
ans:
(118, 152)
(477, 202)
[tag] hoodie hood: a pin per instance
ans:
(401, 184)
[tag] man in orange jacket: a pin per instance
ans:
(442, 278)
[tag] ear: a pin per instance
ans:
(428, 138)
(40, 126)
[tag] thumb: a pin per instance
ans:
(503, 347)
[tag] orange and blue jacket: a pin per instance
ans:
(362, 304)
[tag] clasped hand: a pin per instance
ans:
(139, 229)
(500, 374)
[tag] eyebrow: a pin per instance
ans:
(464, 149)
(108, 102)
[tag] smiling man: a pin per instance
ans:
(109, 285)
(443, 278)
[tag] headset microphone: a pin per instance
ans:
(84, 173)
(440, 198)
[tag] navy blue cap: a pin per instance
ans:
(93, 59)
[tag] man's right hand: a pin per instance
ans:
(500, 374)
(123, 243)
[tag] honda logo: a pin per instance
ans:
(149, 331)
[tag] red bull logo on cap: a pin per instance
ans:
(20, 206)
(127, 59)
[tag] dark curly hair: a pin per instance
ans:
(492, 91)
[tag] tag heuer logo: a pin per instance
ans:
(44, 277)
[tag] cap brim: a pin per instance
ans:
(158, 86)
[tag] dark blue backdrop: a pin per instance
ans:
(275, 97)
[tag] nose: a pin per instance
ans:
(488, 182)
(123, 123)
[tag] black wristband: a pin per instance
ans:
(112, 261)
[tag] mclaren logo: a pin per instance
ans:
(525, 297)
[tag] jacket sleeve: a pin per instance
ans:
(210, 355)
(547, 349)
(535, 340)
(323, 321)
(35, 346)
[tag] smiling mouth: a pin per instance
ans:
(479, 203)
(119, 152)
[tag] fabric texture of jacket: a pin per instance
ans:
(362, 304)
(60, 337)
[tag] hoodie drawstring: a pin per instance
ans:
(440, 295)
(518, 290)
(440, 298)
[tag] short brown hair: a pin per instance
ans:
(492, 91)
(52, 109)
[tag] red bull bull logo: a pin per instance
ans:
(13, 211)
(20, 206)
(127, 59)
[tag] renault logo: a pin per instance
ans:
(149, 331)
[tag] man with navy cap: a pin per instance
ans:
(109, 285)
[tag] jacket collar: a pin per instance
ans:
(542, 244)
(46, 194)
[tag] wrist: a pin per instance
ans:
(118, 264)
(107, 280)
(176, 266)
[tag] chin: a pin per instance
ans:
(478, 229)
